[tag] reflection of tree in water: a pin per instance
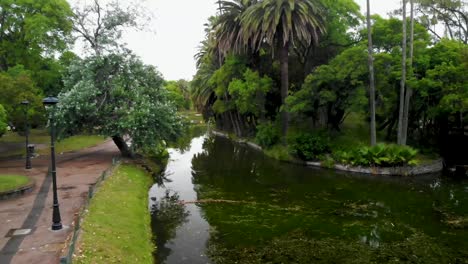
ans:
(183, 143)
(167, 214)
(162, 178)
(224, 164)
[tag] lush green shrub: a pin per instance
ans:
(381, 155)
(267, 135)
(309, 146)
(3, 121)
(278, 152)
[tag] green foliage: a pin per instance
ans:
(16, 86)
(445, 79)
(30, 29)
(387, 35)
(333, 88)
(329, 162)
(177, 94)
(381, 155)
(117, 95)
(32, 33)
(3, 121)
(309, 146)
(249, 93)
(279, 152)
(233, 68)
(267, 134)
(278, 22)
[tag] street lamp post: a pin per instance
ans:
(25, 103)
(56, 219)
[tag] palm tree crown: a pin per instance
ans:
(284, 21)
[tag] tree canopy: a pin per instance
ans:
(118, 96)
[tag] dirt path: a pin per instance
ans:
(75, 173)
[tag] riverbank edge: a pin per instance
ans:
(73, 242)
(434, 166)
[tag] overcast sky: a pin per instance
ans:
(178, 30)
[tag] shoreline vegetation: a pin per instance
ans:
(117, 225)
(425, 165)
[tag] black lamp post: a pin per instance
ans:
(25, 103)
(56, 219)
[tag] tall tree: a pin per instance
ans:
(371, 78)
(32, 30)
(409, 90)
(118, 96)
(281, 23)
(100, 25)
(452, 14)
(228, 26)
(3, 121)
(403, 78)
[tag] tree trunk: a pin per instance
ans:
(123, 147)
(284, 61)
(409, 91)
(371, 79)
(403, 80)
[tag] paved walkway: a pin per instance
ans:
(75, 173)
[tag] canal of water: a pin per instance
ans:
(221, 202)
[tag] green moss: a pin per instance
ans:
(298, 248)
(12, 182)
(117, 228)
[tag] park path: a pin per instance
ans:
(75, 173)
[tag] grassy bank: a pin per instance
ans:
(75, 143)
(12, 182)
(117, 226)
(41, 137)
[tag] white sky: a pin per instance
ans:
(178, 30)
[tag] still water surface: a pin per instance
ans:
(221, 202)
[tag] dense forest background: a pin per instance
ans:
(285, 73)
(268, 70)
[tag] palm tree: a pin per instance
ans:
(280, 23)
(371, 78)
(228, 27)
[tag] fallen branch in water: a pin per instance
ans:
(216, 201)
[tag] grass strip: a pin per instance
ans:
(12, 182)
(117, 226)
(78, 142)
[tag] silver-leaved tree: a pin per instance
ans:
(118, 96)
(111, 92)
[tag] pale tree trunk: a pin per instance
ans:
(284, 61)
(373, 131)
(409, 91)
(403, 80)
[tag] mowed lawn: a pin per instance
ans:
(117, 226)
(12, 182)
(41, 139)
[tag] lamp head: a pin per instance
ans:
(50, 101)
(25, 102)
